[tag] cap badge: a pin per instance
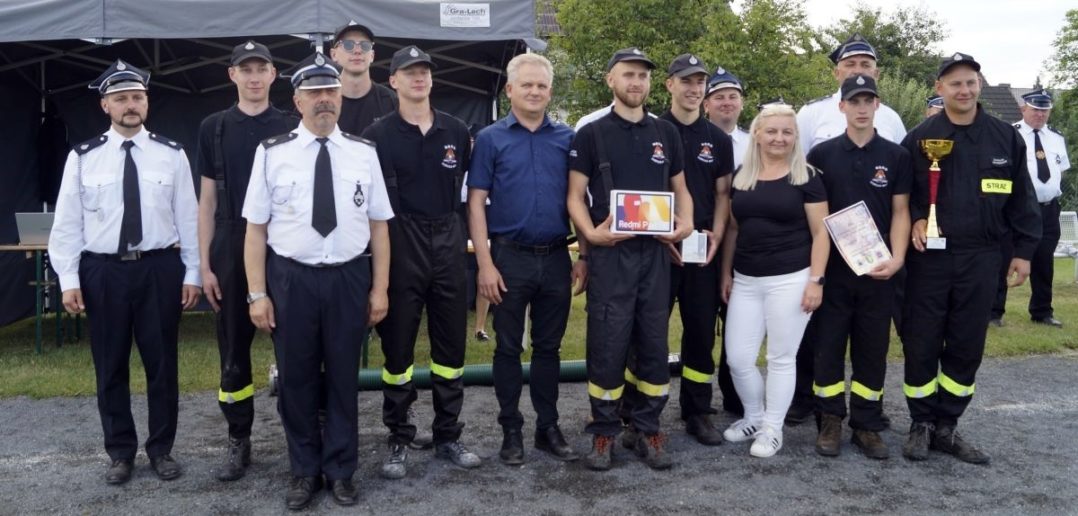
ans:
(637, 51)
(720, 71)
(413, 53)
(319, 60)
(860, 81)
(249, 46)
(353, 22)
(957, 57)
(693, 60)
(121, 67)
(857, 37)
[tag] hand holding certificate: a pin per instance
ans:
(857, 238)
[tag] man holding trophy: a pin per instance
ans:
(970, 186)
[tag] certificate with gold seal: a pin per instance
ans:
(857, 238)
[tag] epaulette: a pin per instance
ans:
(813, 101)
(357, 138)
(277, 140)
(1053, 129)
(1018, 125)
(164, 140)
(90, 144)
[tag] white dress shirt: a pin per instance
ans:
(821, 120)
(90, 205)
(740, 139)
(281, 193)
(1055, 150)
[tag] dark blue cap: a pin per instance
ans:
(856, 84)
(120, 77)
(686, 65)
(629, 54)
(314, 73)
(409, 56)
(957, 59)
(1038, 99)
(854, 46)
(722, 79)
(934, 101)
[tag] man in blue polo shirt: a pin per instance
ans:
(522, 163)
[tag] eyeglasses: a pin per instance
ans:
(350, 45)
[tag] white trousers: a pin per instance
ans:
(766, 306)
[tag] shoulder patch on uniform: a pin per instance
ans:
(279, 139)
(357, 138)
(813, 101)
(1053, 129)
(164, 140)
(90, 144)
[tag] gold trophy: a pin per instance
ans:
(935, 150)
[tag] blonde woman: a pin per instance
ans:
(772, 272)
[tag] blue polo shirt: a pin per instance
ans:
(527, 176)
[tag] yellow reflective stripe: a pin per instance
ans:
(1000, 186)
(651, 389)
(397, 379)
(828, 391)
(923, 391)
(630, 377)
(240, 395)
(954, 387)
(693, 375)
(449, 373)
(859, 389)
(603, 394)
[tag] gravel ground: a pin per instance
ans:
(1025, 414)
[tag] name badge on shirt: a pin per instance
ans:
(996, 186)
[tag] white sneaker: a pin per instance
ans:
(742, 430)
(768, 442)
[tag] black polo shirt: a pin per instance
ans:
(426, 165)
(709, 155)
(359, 114)
(240, 135)
(638, 156)
(873, 173)
(773, 236)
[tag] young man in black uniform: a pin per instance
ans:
(984, 190)
(226, 148)
(629, 283)
(363, 100)
(859, 166)
(708, 165)
(423, 154)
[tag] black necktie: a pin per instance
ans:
(323, 213)
(1042, 161)
(131, 226)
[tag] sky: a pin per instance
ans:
(1011, 39)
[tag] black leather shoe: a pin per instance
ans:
(344, 492)
(119, 472)
(236, 461)
(947, 440)
(165, 467)
(701, 427)
(512, 452)
(1048, 321)
(799, 413)
(553, 442)
(301, 491)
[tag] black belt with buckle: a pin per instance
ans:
(131, 256)
(533, 249)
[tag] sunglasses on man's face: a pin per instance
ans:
(350, 45)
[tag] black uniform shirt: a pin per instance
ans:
(427, 166)
(709, 155)
(984, 186)
(636, 152)
(358, 114)
(773, 235)
(873, 173)
(240, 135)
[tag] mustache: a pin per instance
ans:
(324, 107)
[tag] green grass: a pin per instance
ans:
(68, 370)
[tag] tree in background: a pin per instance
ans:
(903, 39)
(905, 95)
(1064, 67)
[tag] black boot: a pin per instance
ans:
(236, 461)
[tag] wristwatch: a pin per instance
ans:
(819, 280)
(255, 296)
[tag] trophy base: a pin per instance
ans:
(936, 243)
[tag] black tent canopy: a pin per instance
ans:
(50, 50)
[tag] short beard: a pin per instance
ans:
(628, 103)
(120, 121)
